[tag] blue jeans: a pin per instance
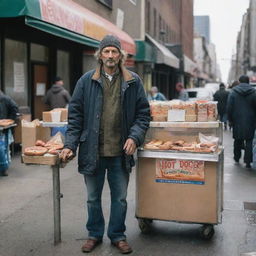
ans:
(118, 179)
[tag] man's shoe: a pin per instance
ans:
(122, 246)
(4, 173)
(90, 244)
(248, 166)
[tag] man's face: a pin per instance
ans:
(110, 57)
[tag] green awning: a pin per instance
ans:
(16, 8)
(145, 52)
(60, 32)
(66, 19)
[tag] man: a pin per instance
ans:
(241, 111)
(8, 110)
(221, 96)
(108, 117)
(181, 94)
(156, 95)
(57, 96)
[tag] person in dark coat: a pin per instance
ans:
(180, 92)
(57, 96)
(108, 117)
(221, 96)
(8, 107)
(8, 110)
(241, 110)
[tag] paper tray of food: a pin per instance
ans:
(46, 159)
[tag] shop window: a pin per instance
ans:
(39, 53)
(63, 69)
(15, 71)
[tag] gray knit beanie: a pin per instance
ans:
(110, 40)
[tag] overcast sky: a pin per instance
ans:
(225, 22)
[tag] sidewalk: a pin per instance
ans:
(26, 216)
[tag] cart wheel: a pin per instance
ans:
(144, 225)
(207, 231)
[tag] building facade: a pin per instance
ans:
(202, 26)
(41, 39)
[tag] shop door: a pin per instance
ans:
(39, 87)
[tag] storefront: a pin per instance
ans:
(165, 72)
(44, 38)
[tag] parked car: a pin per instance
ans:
(200, 93)
(213, 87)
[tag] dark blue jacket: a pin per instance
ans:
(221, 96)
(8, 108)
(84, 115)
(241, 111)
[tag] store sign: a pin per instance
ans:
(63, 13)
(180, 171)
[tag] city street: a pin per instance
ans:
(26, 216)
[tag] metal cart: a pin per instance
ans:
(182, 200)
(57, 195)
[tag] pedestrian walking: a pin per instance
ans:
(154, 94)
(241, 110)
(180, 93)
(57, 96)
(108, 117)
(221, 96)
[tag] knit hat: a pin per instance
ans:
(110, 40)
(57, 79)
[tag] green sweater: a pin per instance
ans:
(110, 143)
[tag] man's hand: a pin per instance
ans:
(129, 146)
(66, 154)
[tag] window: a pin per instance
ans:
(39, 52)
(107, 3)
(154, 22)
(63, 67)
(160, 27)
(15, 71)
(134, 1)
(148, 17)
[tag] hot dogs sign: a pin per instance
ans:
(180, 171)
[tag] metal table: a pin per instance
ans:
(56, 189)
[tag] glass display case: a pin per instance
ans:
(195, 140)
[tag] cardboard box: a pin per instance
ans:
(64, 114)
(177, 202)
(46, 159)
(17, 129)
(190, 118)
(30, 134)
(47, 115)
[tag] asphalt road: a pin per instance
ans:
(26, 216)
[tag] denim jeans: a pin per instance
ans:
(118, 180)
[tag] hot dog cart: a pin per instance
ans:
(180, 185)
